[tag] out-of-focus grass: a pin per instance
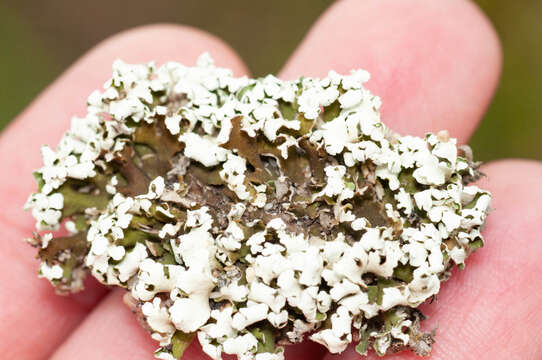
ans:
(513, 124)
(26, 66)
(39, 38)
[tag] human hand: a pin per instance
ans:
(435, 65)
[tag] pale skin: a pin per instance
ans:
(435, 64)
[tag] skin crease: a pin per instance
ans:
(435, 67)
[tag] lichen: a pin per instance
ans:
(253, 213)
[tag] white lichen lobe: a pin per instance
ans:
(253, 213)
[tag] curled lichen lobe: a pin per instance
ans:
(253, 213)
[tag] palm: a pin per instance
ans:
(434, 65)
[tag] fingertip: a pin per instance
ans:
(434, 64)
(42, 327)
(514, 184)
(67, 96)
(164, 42)
(492, 306)
(111, 331)
(48, 116)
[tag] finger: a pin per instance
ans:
(492, 309)
(48, 117)
(111, 331)
(435, 64)
(35, 320)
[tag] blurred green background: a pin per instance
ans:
(41, 38)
